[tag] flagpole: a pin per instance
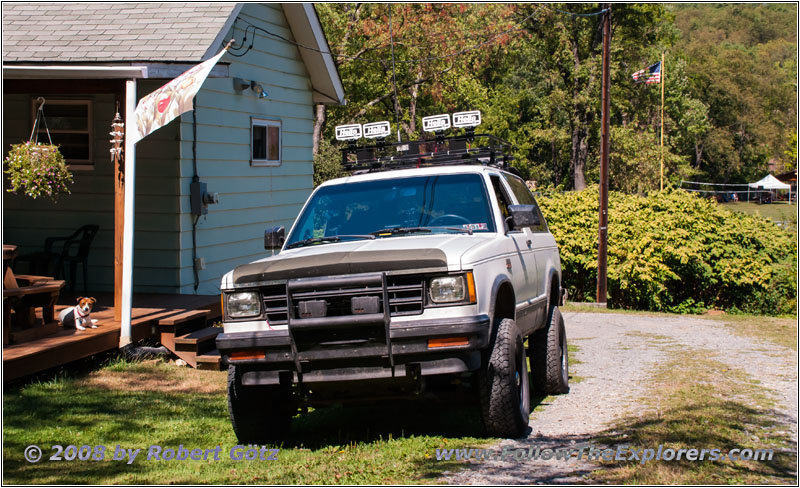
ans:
(662, 120)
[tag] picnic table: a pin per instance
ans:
(23, 294)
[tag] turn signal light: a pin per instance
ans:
(448, 342)
(241, 355)
(471, 287)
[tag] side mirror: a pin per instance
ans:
(274, 238)
(524, 216)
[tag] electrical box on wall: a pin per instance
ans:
(200, 198)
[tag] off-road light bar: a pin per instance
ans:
(377, 130)
(351, 132)
(469, 119)
(436, 123)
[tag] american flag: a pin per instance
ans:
(651, 74)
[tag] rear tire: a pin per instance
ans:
(504, 386)
(259, 414)
(550, 357)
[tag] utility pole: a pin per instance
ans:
(662, 120)
(602, 247)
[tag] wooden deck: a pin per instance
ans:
(69, 345)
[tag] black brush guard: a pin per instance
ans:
(341, 329)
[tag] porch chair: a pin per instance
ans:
(75, 250)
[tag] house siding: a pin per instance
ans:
(251, 197)
(27, 222)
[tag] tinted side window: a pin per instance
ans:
(520, 190)
(502, 200)
(524, 196)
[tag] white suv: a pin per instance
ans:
(400, 283)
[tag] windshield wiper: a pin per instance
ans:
(410, 230)
(316, 240)
(399, 230)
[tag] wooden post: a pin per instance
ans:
(117, 159)
(605, 139)
(662, 119)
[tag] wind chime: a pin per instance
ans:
(117, 133)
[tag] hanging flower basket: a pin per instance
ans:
(37, 170)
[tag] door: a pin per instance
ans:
(541, 244)
(523, 263)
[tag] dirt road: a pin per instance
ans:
(616, 355)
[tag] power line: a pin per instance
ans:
(255, 28)
(592, 14)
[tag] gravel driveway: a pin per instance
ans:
(617, 354)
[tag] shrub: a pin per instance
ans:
(36, 170)
(673, 251)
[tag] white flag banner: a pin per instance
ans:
(165, 104)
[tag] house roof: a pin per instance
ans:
(59, 34)
(90, 32)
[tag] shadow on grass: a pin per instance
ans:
(136, 405)
(716, 424)
(381, 421)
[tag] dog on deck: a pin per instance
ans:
(78, 317)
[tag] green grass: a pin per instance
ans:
(777, 212)
(697, 402)
(136, 405)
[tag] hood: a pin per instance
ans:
(366, 256)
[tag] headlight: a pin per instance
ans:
(243, 304)
(447, 289)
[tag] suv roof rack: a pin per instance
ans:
(440, 151)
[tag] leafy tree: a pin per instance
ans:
(534, 72)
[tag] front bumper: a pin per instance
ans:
(406, 353)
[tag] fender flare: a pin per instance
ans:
(499, 281)
(552, 273)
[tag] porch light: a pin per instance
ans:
(258, 89)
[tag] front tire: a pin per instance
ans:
(550, 357)
(259, 414)
(503, 384)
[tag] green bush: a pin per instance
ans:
(673, 251)
(327, 163)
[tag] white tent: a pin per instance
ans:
(769, 182)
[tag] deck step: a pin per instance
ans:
(211, 360)
(184, 317)
(199, 336)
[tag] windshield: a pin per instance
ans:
(437, 203)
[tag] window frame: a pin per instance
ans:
(266, 122)
(542, 227)
(72, 164)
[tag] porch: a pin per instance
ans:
(182, 323)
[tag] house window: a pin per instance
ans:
(70, 125)
(266, 142)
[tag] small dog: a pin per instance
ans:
(78, 316)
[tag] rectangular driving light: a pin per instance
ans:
(467, 119)
(447, 342)
(377, 130)
(436, 123)
(351, 132)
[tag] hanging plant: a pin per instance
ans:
(35, 169)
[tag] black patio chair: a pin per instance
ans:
(74, 251)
